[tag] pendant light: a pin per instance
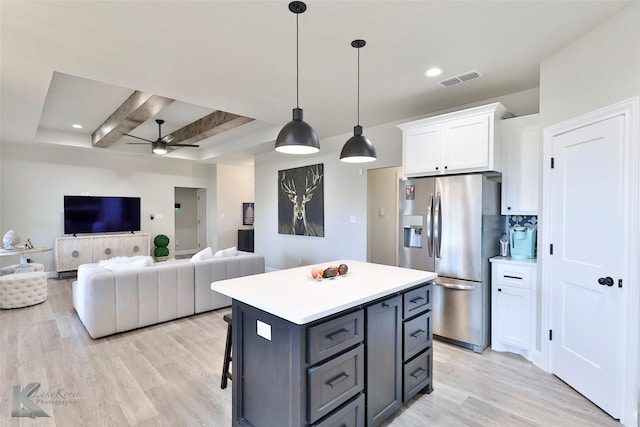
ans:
(297, 137)
(358, 149)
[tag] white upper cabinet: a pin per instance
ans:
(522, 140)
(462, 141)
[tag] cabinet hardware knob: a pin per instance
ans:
(499, 289)
(508, 208)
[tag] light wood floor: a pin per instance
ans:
(169, 375)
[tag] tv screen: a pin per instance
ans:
(86, 214)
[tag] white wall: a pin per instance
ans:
(235, 186)
(36, 177)
(599, 69)
(345, 195)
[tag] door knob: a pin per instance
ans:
(608, 281)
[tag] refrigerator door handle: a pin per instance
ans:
(437, 225)
(456, 286)
(430, 225)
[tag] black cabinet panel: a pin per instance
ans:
(384, 359)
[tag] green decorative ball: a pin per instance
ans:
(161, 241)
(161, 251)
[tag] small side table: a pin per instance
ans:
(22, 252)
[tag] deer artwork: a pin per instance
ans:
(299, 223)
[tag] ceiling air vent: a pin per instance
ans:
(460, 79)
(450, 82)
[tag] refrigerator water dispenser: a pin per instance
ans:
(412, 227)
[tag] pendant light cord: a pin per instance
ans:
(358, 87)
(297, 65)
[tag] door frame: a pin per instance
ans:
(631, 272)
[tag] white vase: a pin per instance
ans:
(10, 239)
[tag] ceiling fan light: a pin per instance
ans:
(358, 149)
(158, 147)
(297, 137)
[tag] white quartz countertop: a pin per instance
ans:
(295, 296)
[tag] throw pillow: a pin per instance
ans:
(232, 251)
(204, 254)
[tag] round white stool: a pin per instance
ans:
(22, 289)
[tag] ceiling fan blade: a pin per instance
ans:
(183, 145)
(137, 137)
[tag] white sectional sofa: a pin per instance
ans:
(116, 300)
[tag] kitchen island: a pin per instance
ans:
(343, 351)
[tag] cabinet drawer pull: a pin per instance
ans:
(385, 305)
(337, 334)
(417, 333)
(415, 374)
(337, 380)
(512, 277)
(416, 300)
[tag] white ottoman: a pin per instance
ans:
(23, 289)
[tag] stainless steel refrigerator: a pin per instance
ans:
(451, 225)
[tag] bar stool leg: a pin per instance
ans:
(227, 355)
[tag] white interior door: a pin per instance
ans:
(587, 313)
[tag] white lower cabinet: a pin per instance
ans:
(513, 306)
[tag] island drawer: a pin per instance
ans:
(332, 337)
(417, 335)
(335, 382)
(417, 300)
(351, 415)
(417, 374)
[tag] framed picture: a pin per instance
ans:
(410, 192)
(301, 201)
(247, 213)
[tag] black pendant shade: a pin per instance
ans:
(358, 149)
(297, 137)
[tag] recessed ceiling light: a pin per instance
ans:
(76, 126)
(435, 71)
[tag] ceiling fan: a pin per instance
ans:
(160, 145)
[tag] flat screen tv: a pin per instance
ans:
(88, 214)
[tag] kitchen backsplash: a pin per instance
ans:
(522, 220)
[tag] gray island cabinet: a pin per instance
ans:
(339, 352)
